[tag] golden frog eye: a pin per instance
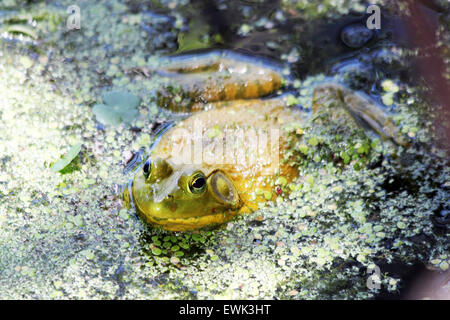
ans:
(147, 168)
(197, 183)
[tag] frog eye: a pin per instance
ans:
(147, 168)
(197, 183)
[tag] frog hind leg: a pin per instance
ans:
(361, 107)
(216, 76)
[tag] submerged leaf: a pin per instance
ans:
(107, 114)
(22, 29)
(195, 37)
(122, 99)
(67, 158)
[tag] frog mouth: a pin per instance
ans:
(222, 189)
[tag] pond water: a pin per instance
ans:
(63, 151)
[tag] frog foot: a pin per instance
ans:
(216, 76)
(363, 109)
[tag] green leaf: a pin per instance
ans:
(291, 100)
(156, 251)
(21, 29)
(390, 86)
(313, 141)
(184, 245)
(26, 62)
(303, 148)
(345, 157)
(388, 98)
(89, 254)
(310, 179)
(67, 158)
(214, 257)
(106, 114)
(195, 38)
(268, 195)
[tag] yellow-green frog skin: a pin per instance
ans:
(179, 191)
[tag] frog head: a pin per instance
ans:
(183, 197)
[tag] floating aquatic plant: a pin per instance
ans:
(64, 162)
(119, 107)
(25, 24)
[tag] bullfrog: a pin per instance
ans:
(226, 156)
